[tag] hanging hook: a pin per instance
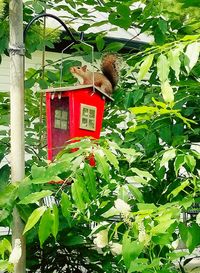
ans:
(74, 41)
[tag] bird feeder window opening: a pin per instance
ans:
(61, 119)
(88, 117)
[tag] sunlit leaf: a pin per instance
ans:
(45, 226)
(34, 218)
(102, 165)
(163, 68)
(168, 155)
(162, 227)
(174, 60)
(180, 188)
(111, 158)
(191, 55)
(136, 193)
(190, 235)
(190, 161)
(34, 197)
(167, 92)
(130, 249)
(198, 218)
(145, 66)
(179, 162)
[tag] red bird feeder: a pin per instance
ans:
(73, 112)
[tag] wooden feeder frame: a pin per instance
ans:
(71, 112)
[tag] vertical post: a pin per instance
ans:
(16, 49)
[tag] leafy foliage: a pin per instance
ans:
(125, 213)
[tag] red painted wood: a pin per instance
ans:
(71, 101)
(49, 126)
(86, 96)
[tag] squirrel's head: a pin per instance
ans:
(78, 69)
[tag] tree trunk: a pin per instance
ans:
(17, 115)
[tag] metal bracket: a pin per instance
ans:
(17, 50)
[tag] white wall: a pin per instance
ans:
(35, 62)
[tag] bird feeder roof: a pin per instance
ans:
(78, 87)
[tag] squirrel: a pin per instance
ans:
(106, 80)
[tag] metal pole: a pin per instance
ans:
(16, 49)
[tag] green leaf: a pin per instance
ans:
(43, 84)
(5, 246)
(136, 193)
(37, 7)
(90, 181)
(55, 217)
(77, 194)
(179, 162)
(138, 94)
(159, 103)
(190, 161)
(130, 249)
(34, 218)
(143, 110)
(123, 194)
(29, 83)
(34, 197)
(38, 172)
(42, 175)
(145, 66)
(4, 174)
(84, 27)
(180, 188)
(191, 3)
(191, 55)
(190, 235)
(100, 42)
(165, 133)
(146, 206)
(52, 76)
(114, 46)
(162, 25)
(162, 239)
(174, 60)
(4, 214)
(45, 226)
(139, 265)
(121, 17)
(198, 218)
(167, 92)
(102, 166)
(163, 68)
(8, 195)
(143, 174)
(66, 207)
(73, 240)
(4, 264)
(176, 255)
(162, 227)
(168, 155)
(44, 180)
(150, 142)
(159, 36)
(186, 202)
(77, 161)
(111, 158)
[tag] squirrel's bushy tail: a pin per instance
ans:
(110, 69)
